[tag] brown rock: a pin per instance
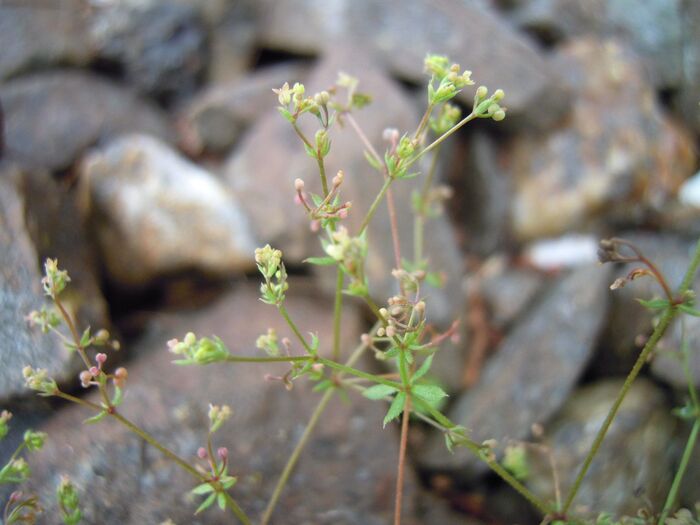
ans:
(154, 213)
(616, 156)
(346, 474)
(51, 118)
(215, 119)
(532, 373)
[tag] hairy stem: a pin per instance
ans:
(337, 311)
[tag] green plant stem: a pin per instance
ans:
(273, 359)
(424, 120)
(308, 431)
(419, 221)
(659, 331)
(337, 311)
(156, 444)
(322, 172)
(297, 333)
(358, 373)
(682, 467)
(441, 139)
(402, 459)
(373, 207)
(292, 461)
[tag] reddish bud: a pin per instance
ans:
(202, 453)
(222, 452)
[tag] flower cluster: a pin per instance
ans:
(68, 502)
(54, 280)
(270, 264)
(486, 106)
(39, 380)
(446, 80)
(201, 351)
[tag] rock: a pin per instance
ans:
(57, 231)
(20, 293)
(615, 158)
(629, 323)
(154, 212)
(346, 473)
(668, 361)
(653, 29)
(689, 192)
(634, 466)
(161, 46)
(36, 34)
(532, 373)
(214, 120)
(463, 31)
(263, 169)
(50, 118)
(508, 291)
(687, 104)
(567, 251)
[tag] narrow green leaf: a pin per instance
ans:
(95, 419)
(654, 304)
(396, 407)
(85, 338)
(118, 396)
(379, 391)
(286, 114)
(206, 503)
(221, 500)
(423, 368)
(321, 261)
(689, 310)
(429, 393)
(204, 488)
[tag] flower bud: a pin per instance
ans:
(222, 452)
(101, 337)
(121, 374)
(499, 115)
(85, 378)
(498, 95)
(202, 453)
(101, 359)
(34, 440)
(298, 184)
(481, 92)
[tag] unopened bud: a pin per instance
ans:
(85, 378)
(101, 359)
(499, 115)
(298, 184)
(482, 91)
(498, 95)
(222, 452)
(202, 453)
(338, 179)
(390, 331)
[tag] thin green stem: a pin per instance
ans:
(297, 333)
(373, 207)
(271, 359)
(419, 220)
(659, 331)
(337, 311)
(310, 426)
(292, 461)
(441, 139)
(358, 373)
(402, 459)
(322, 172)
(682, 467)
(424, 121)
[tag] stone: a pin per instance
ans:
(20, 293)
(52, 117)
(346, 474)
(654, 29)
(689, 192)
(270, 157)
(616, 157)
(216, 117)
(688, 99)
(56, 228)
(566, 251)
(153, 213)
(160, 46)
(400, 37)
(635, 464)
(35, 34)
(533, 371)
(668, 360)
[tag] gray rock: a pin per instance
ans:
(652, 28)
(50, 118)
(532, 373)
(20, 293)
(604, 163)
(153, 212)
(161, 46)
(690, 86)
(463, 31)
(345, 475)
(57, 231)
(668, 361)
(262, 172)
(35, 34)
(509, 292)
(214, 119)
(634, 466)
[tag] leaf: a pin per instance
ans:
(310, 151)
(431, 394)
(221, 500)
(321, 261)
(85, 338)
(654, 304)
(204, 488)
(396, 408)
(95, 419)
(689, 310)
(423, 368)
(379, 391)
(117, 398)
(371, 159)
(286, 114)
(206, 503)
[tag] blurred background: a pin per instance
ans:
(141, 147)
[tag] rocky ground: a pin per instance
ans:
(141, 147)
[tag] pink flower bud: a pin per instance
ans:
(222, 453)
(94, 371)
(343, 214)
(85, 378)
(315, 226)
(101, 358)
(202, 453)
